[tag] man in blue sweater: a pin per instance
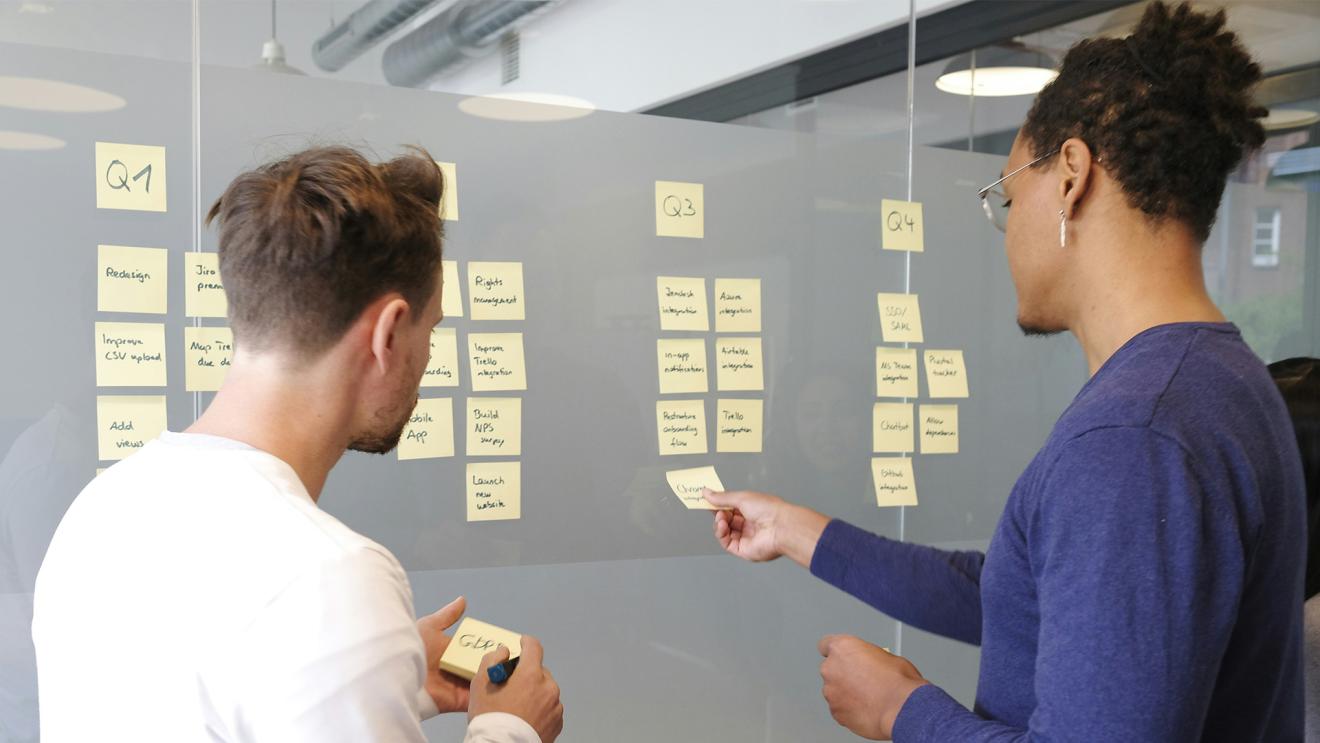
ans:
(1144, 582)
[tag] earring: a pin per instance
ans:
(1063, 229)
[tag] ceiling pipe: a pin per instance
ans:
(362, 30)
(464, 32)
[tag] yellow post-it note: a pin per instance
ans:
(494, 426)
(472, 641)
(682, 426)
(895, 372)
(894, 483)
(682, 303)
(130, 176)
(902, 229)
(687, 485)
(495, 290)
(203, 296)
(737, 305)
(682, 365)
(125, 423)
(680, 209)
(442, 368)
(131, 279)
(451, 291)
(946, 374)
(429, 433)
(738, 365)
(738, 426)
(494, 491)
(891, 425)
(939, 429)
(900, 318)
(207, 355)
(449, 203)
(496, 361)
(130, 354)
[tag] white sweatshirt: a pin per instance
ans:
(194, 592)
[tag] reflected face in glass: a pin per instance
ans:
(389, 419)
(1031, 238)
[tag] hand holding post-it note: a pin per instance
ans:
(687, 485)
(681, 426)
(203, 295)
(902, 228)
(495, 290)
(946, 374)
(130, 176)
(680, 209)
(131, 279)
(893, 480)
(900, 318)
(895, 372)
(471, 642)
(682, 303)
(939, 429)
(737, 305)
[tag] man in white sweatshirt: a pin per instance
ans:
(195, 591)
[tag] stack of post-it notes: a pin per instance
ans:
(471, 642)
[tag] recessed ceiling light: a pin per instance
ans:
(996, 81)
(38, 94)
(1289, 118)
(28, 141)
(526, 107)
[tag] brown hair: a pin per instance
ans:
(306, 243)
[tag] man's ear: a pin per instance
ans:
(1074, 169)
(391, 313)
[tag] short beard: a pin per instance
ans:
(1037, 331)
(384, 439)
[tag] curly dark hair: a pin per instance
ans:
(1168, 109)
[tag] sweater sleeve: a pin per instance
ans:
(1139, 574)
(931, 589)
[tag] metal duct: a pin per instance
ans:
(361, 30)
(460, 34)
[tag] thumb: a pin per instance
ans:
(493, 658)
(726, 499)
(450, 613)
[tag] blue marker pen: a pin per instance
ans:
(500, 672)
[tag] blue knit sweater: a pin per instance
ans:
(1145, 580)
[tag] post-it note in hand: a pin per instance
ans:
(125, 423)
(130, 354)
(682, 303)
(131, 279)
(471, 642)
(901, 228)
(900, 318)
(894, 483)
(681, 426)
(130, 176)
(687, 485)
(203, 295)
(939, 429)
(495, 290)
(895, 372)
(682, 365)
(946, 374)
(680, 209)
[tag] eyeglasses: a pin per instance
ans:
(996, 209)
